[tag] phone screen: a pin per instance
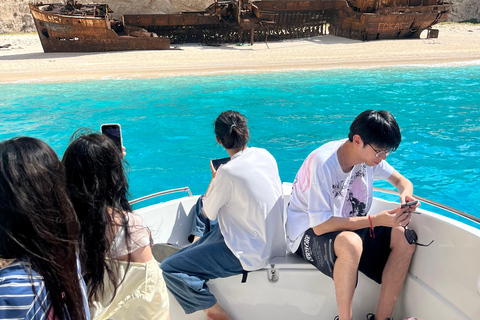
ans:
(113, 131)
(218, 162)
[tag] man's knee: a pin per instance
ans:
(399, 242)
(348, 243)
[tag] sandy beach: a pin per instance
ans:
(24, 60)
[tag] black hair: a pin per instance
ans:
(231, 129)
(38, 224)
(98, 188)
(378, 128)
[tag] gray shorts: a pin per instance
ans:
(319, 251)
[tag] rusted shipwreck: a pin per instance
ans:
(89, 28)
(78, 27)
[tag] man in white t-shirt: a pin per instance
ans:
(327, 221)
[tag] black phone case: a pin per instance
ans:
(217, 162)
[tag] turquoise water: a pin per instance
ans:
(167, 123)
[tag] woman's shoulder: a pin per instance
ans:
(16, 270)
(261, 152)
(134, 220)
(24, 289)
(136, 228)
(19, 271)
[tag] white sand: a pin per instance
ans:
(25, 61)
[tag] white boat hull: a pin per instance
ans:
(442, 282)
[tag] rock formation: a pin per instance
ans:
(465, 11)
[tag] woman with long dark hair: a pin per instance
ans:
(39, 230)
(245, 196)
(123, 279)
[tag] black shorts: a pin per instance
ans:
(319, 251)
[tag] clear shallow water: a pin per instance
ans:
(167, 123)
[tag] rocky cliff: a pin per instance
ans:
(465, 10)
(15, 15)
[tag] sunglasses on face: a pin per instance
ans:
(412, 237)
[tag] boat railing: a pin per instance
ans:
(433, 203)
(161, 193)
(388, 191)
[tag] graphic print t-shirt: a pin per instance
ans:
(321, 190)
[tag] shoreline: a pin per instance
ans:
(25, 62)
(141, 74)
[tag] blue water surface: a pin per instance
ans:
(168, 132)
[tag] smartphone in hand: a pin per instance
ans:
(408, 204)
(114, 132)
(218, 162)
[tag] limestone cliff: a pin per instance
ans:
(15, 15)
(465, 10)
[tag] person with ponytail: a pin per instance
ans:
(245, 197)
(38, 236)
(122, 277)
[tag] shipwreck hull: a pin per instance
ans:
(278, 20)
(296, 19)
(260, 20)
(75, 27)
(187, 27)
(387, 22)
(62, 33)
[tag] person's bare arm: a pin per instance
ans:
(386, 218)
(404, 187)
(141, 255)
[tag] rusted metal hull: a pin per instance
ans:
(387, 22)
(187, 27)
(238, 21)
(59, 33)
(278, 19)
(258, 20)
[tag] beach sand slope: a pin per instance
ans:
(24, 60)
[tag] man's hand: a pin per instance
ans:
(406, 197)
(393, 218)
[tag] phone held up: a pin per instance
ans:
(218, 162)
(114, 132)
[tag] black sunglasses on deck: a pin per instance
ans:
(412, 237)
